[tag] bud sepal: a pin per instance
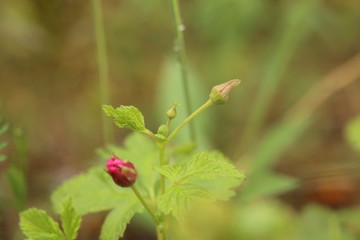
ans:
(220, 93)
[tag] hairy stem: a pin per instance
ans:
(108, 129)
(179, 27)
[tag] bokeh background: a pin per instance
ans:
(292, 125)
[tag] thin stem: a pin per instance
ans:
(103, 69)
(162, 163)
(146, 206)
(188, 119)
(179, 27)
(150, 134)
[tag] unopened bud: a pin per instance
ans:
(172, 111)
(220, 93)
(122, 172)
(163, 130)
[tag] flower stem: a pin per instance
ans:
(144, 203)
(108, 129)
(179, 27)
(188, 119)
(162, 163)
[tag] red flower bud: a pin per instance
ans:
(122, 172)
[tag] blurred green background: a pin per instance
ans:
(292, 125)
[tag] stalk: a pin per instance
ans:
(180, 50)
(108, 129)
(188, 119)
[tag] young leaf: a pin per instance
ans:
(70, 220)
(115, 222)
(37, 225)
(126, 117)
(205, 176)
(93, 191)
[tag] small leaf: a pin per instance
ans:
(126, 117)
(115, 222)
(70, 220)
(37, 225)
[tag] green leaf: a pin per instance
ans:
(142, 152)
(352, 133)
(178, 198)
(126, 117)
(70, 220)
(206, 176)
(93, 191)
(37, 225)
(115, 222)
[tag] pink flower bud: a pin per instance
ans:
(122, 172)
(220, 93)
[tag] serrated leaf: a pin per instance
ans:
(37, 225)
(116, 221)
(202, 165)
(178, 198)
(352, 133)
(70, 220)
(126, 117)
(93, 191)
(142, 152)
(205, 176)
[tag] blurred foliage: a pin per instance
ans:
(280, 49)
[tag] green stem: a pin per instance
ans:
(150, 134)
(188, 119)
(146, 206)
(179, 27)
(162, 163)
(159, 229)
(103, 69)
